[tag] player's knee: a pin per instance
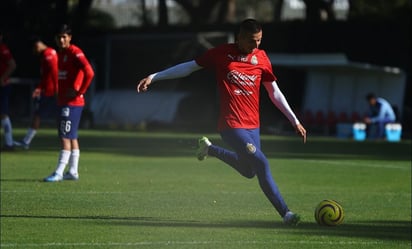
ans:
(249, 174)
(246, 169)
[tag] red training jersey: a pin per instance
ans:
(238, 77)
(49, 72)
(5, 57)
(75, 72)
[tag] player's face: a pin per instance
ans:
(37, 48)
(247, 42)
(63, 40)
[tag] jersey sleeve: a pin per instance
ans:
(5, 59)
(206, 60)
(267, 74)
(87, 69)
(49, 71)
(5, 54)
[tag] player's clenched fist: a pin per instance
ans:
(143, 84)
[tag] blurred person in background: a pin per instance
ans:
(7, 67)
(44, 95)
(241, 68)
(380, 113)
(75, 77)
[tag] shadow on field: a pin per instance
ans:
(383, 230)
(21, 180)
(182, 144)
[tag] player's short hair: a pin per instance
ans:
(64, 29)
(250, 25)
(370, 96)
(35, 39)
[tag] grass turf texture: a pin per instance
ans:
(147, 190)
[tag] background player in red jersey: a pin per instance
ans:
(7, 67)
(240, 70)
(44, 95)
(75, 76)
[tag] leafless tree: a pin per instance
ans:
(278, 5)
(200, 12)
(318, 10)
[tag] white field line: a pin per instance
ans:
(167, 192)
(206, 242)
(357, 164)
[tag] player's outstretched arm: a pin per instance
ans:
(301, 131)
(178, 71)
(281, 103)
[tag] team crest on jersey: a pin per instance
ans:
(254, 60)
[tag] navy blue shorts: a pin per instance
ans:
(5, 94)
(69, 120)
(46, 107)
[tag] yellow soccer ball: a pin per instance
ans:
(329, 213)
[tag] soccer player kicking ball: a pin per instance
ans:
(240, 69)
(75, 76)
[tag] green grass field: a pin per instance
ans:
(147, 190)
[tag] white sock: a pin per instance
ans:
(29, 136)
(74, 162)
(63, 160)
(8, 131)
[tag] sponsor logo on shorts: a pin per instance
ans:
(65, 112)
(250, 148)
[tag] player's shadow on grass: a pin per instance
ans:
(21, 180)
(382, 230)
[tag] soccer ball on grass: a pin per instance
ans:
(329, 213)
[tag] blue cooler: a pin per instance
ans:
(344, 130)
(393, 132)
(359, 131)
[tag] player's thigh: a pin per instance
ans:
(46, 107)
(243, 141)
(69, 121)
(4, 99)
